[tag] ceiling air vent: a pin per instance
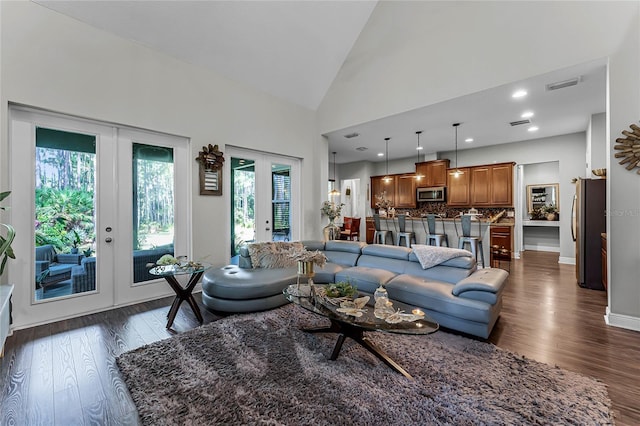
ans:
(352, 135)
(361, 148)
(563, 84)
(520, 122)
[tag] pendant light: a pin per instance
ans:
(418, 148)
(457, 172)
(386, 177)
(334, 191)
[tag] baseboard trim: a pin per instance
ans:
(623, 321)
(542, 248)
(567, 260)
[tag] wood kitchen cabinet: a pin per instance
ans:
(458, 188)
(405, 196)
(400, 190)
(502, 185)
(370, 230)
(378, 186)
(487, 186)
(480, 194)
(434, 173)
(501, 245)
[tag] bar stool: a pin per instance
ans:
(429, 225)
(403, 233)
(380, 235)
(465, 237)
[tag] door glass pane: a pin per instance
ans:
(243, 195)
(153, 207)
(65, 213)
(281, 202)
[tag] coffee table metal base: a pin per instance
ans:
(345, 330)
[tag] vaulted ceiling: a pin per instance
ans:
(294, 49)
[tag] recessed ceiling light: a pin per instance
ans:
(519, 94)
(381, 154)
(419, 148)
(533, 129)
(527, 114)
(468, 140)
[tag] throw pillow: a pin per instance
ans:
(274, 254)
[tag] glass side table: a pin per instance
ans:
(170, 272)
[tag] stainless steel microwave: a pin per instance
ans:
(431, 194)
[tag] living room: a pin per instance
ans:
(56, 63)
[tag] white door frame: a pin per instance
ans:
(263, 161)
(114, 270)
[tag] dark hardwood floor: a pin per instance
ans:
(65, 373)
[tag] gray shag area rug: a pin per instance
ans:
(261, 369)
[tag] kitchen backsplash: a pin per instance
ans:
(446, 211)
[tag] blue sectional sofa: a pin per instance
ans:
(454, 293)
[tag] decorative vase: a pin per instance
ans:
(305, 270)
(331, 231)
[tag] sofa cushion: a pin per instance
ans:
(487, 280)
(312, 245)
(443, 273)
(344, 246)
(365, 278)
(391, 252)
(233, 282)
(438, 297)
(327, 273)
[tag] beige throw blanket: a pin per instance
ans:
(430, 256)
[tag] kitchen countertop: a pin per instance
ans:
(501, 222)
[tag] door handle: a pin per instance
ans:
(108, 240)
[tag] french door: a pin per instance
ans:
(265, 197)
(96, 203)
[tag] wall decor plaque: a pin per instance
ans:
(628, 148)
(211, 161)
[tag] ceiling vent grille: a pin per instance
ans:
(352, 135)
(520, 122)
(563, 84)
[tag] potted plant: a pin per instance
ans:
(551, 212)
(6, 251)
(75, 241)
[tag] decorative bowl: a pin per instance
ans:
(599, 172)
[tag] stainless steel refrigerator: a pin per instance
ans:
(588, 223)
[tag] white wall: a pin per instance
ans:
(623, 187)
(596, 143)
(54, 62)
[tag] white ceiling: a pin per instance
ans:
(484, 116)
(294, 49)
(290, 49)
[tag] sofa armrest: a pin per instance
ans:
(73, 259)
(41, 266)
(484, 280)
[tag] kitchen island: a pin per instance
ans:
(418, 226)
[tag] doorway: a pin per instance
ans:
(97, 203)
(265, 200)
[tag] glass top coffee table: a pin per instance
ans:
(354, 327)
